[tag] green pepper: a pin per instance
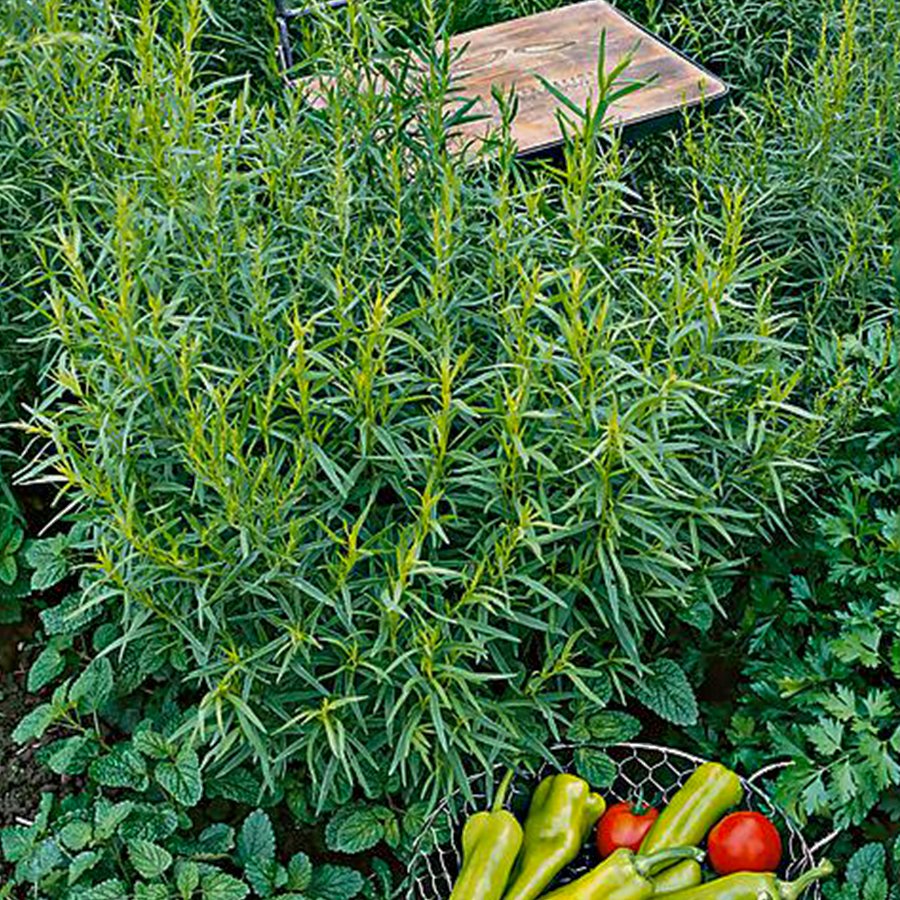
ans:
(754, 886)
(706, 796)
(622, 876)
(563, 810)
(686, 874)
(491, 842)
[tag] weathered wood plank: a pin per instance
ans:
(563, 46)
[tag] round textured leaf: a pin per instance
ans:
(111, 889)
(41, 861)
(868, 859)
(414, 818)
(93, 686)
(70, 616)
(263, 875)
(700, 615)
(609, 727)
(108, 817)
(152, 744)
(595, 767)
(667, 692)
(123, 768)
(256, 841)
(355, 829)
(299, 872)
(76, 835)
(48, 559)
(215, 840)
(70, 756)
(149, 859)
(47, 667)
(151, 822)
(187, 878)
(221, 886)
(155, 891)
(34, 724)
(335, 883)
(238, 785)
(82, 863)
(181, 778)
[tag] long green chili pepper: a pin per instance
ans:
(676, 878)
(754, 886)
(491, 842)
(622, 876)
(706, 796)
(563, 810)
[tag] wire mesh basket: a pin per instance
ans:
(645, 770)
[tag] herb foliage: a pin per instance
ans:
(394, 455)
(379, 455)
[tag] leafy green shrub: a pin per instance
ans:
(849, 755)
(149, 820)
(821, 630)
(13, 574)
(390, 466)
(870, 873)
(95, 847)
(28, 566)
(140, 825)
(816, 143)
(395, 458)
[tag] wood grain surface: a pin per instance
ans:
(563, 46)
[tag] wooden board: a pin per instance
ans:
(563, 46)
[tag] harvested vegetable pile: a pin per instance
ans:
(652, 855)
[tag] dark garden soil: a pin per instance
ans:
(21, 778)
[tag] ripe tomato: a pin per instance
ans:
(624, 825)
(744, 842)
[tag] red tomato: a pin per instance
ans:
(624, 825)
(744, 842)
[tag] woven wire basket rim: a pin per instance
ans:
(433, 864)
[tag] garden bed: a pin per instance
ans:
(349, 469)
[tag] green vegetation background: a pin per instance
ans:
(364, 454)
